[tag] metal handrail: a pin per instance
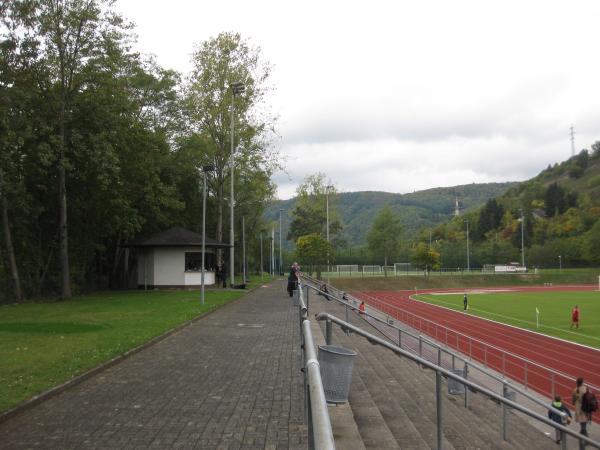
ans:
(321, 432)
(468, 364)
(527, 362)
(440, 371)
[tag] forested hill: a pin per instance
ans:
(554, 217)
(417, 210)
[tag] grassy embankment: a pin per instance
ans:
(45, 344)
(473, 279)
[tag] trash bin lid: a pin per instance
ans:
(337, 350)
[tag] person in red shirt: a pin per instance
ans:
(361, 308)
(575, 317)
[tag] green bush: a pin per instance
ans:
(594, 181)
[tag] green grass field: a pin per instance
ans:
(519, 309)
(45, 344)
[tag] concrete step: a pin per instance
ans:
(420, 404)
(372, 426)
(461, 427)
(406, 421)
(404, 394)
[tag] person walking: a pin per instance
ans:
(581, 417)
(224, 274)
(556, 417)
(465, 302)
(575, 317)
(292, 284)
(361, 308)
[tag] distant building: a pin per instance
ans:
(173, 259)
(539, 213)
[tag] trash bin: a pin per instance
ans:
(336, 365)
(296, 297)
(456, 387)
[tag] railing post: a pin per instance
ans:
(438, 400)
(399, 338)
(504, 394)
(328, 332)
(307, 299)
(311, 433)
(440, 356)
(347, 320)
(466, 374)
(453, 361)
(420, 345)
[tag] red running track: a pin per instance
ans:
(489, 342)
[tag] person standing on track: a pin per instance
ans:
(466, 302)
(581, 417)
(575, 317)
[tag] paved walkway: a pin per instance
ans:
(231, 380)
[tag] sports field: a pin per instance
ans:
(518, 308)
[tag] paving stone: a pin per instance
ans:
(231, 380)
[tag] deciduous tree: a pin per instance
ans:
(211, 104)
(385, 234)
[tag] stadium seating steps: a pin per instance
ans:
(393, 403)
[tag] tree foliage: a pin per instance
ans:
(211, 104)
(425, 258)
(385, 235)
(98, 148)
(309, 216)
(490, 217)
(312, 250)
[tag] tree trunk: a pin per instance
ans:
(62, 194)
(115, 274)
(12, 262)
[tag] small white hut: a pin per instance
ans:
(173, 259)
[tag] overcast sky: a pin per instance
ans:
(401, 96)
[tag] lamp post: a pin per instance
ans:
(522, 220)
(261, 257)
(559, 264)
(205, 170)
(236, 89)
(468, 256)
(273, 251)
(244, 249)
(327, 227)
(280, 251)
